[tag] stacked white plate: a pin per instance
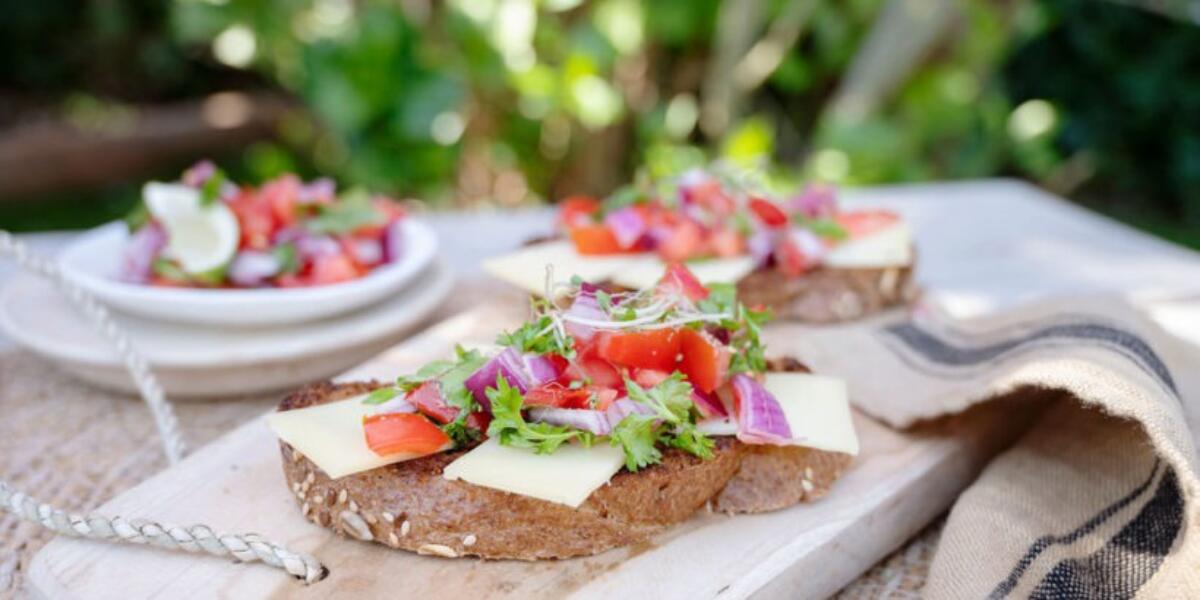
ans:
(211, 343)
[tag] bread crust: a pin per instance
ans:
(828, 295)
(410, 506)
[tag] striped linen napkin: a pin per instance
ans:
(1099, 498)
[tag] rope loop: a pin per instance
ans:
(249, 547)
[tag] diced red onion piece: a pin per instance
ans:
(708, 404)
(585, 306)
(807, 244)
(319, 191)
(393, 241)
(760, 418)
(143, 247)
(717, 426)
(761, 244)
(398, 404)
(508, 364)
(627, 225)
(316, 246)
(816, 201)
(617, 411)
(689, 180)
(541, 369)
(594, 421)
(252, 268)
(198, 173)
(367, 252)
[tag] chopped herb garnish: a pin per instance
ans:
(352, 211)
(512, 430)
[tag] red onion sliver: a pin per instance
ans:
(507, 364)
(541, 369)
(627, 225)
(143, 247)
(760, 418)
(398, 404)
(761, 244)
(393, 241)
(367, 252)
(198, 173)
(708, 404)
(252, 268)
(594, 421)
(816, 201)
(617, 411)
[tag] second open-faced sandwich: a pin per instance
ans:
(606, 418)
(801, 255)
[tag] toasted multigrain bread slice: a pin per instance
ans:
(409, 505)
(828, 295)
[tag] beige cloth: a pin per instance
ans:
(1098, 500)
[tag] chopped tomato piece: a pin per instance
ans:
(333, 269)
(710, 195)
(592, 367)
(862, 223)
(680, 279)
(684, 242)
(429, 401)
(281, 195)
(726, 242)
(705, 360)
(649, 378)
(479, 420)
(403, 433)
(605, 398)
(595, 239)
(768, 212)
(255, 219)
(651, 349)
(798, 252)
(578, 210)
(557, 395)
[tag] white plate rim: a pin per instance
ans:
(398, 274)
(438, 281)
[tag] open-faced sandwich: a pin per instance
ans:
(801, 256)
(606, 418)
(206, 231)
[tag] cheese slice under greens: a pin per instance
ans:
(331, 435)
(567, 476)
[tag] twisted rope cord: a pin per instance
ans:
(196, 538)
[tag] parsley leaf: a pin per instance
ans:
(671, 399)
(210, 191)
(381, 395)
(352, 211)
(540, 336)
(288, 257)
(826, 228)
(637, 436)
(512, 430)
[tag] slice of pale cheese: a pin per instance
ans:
(526, 268)
(567, 476)
(817, 408)
(888, 247)
(646, 272)
(331, 435)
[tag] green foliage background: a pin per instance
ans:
(517, 101)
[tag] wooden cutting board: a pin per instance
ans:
(900, 482)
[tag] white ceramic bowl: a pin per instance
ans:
(95, 259)
(207, 361)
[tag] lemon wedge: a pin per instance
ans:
(200, 238)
